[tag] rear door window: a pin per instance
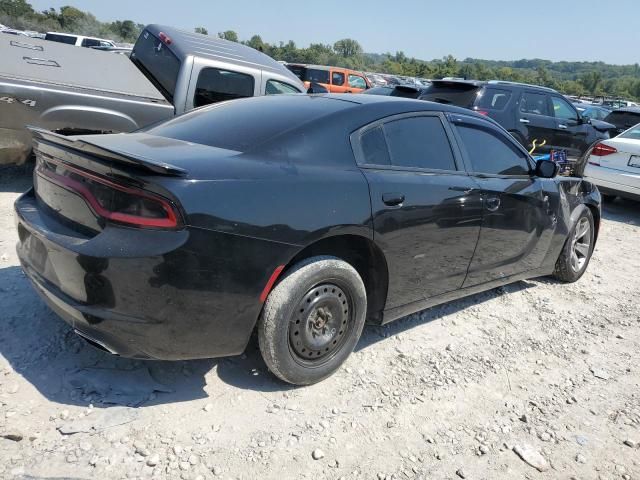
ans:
(337, 78)
(489, 152)
(493, 99)
(534, 103)
(414, 142)
(217, 85)
(92, 42)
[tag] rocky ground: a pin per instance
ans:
(537, 380)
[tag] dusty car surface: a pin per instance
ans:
(301, 216)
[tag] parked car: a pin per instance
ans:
(405, 91)
(334, 79)
(623, 119)
(593, 112)
(81, 90)
(528, 112)
(299, 215)
(78, 40)
(614, 165)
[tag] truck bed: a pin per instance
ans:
(52, 63)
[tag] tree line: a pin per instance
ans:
(574, 78)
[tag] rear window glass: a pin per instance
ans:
(61, 38)
(244, 124)
(157, 62)
(313, 75)
(634, 133)
(624, 119)
(459, 94)
(493, 99)
(374, 147)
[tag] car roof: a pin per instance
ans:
(185, 43)
(627, 110)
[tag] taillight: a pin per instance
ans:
(483, 112)
(602, 150)
(113, 201)
(164, 38)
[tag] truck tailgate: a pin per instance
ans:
(55, 63)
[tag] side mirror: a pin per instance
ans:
(582, 120)
(546, 169)
(317, 88)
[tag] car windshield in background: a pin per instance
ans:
(313, 75)
(61, 38)
(157, 62)
(633, 133)
(459, 94)
(241, 125)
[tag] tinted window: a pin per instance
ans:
(535, 103)
(562, 109)
(633, 133)
(357, 82)
(374, 147)
(489, 153)
(310, 74)
(157, 62)
(419, 142)
(623, 119)
(275, 87)
(244, 124)
(61, 38)
(215, 85)
(91, 42)
(337, 78)
(493, 99)
(454, 93)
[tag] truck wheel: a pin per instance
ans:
(577, 250)
(312, 320)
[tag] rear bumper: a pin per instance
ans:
(147, 294)
(608, 186)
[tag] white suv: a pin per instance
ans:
(79, 40)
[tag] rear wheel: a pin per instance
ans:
(577, 250)
(312, 320)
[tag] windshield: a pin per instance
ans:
(632, 133)
(157, 62)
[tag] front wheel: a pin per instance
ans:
(312, 320)
(577, 250)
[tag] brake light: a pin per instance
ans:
(164, 38)
(113, 201)
(602, 150)
(483, 112)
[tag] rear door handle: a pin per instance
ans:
(524, 120)
(392, 199)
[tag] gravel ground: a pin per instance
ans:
(536, 380)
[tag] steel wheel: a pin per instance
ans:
(581, 245)
(320, 324)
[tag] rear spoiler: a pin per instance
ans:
(86, 146)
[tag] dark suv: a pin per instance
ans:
(528, 112)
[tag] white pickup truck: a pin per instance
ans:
(72, 90)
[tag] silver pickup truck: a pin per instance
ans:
(72, 90)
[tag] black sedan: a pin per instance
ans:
(299, 216)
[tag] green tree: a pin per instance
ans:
(228, 35)
(71, 18)
(126, 29)
(201, 30)
(15, 8)
(347, 47)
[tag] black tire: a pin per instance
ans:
(312, 320)
(567, 270)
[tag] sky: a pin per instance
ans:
(572, 30)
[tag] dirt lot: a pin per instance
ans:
(541, 368)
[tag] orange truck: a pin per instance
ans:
(334, 79)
